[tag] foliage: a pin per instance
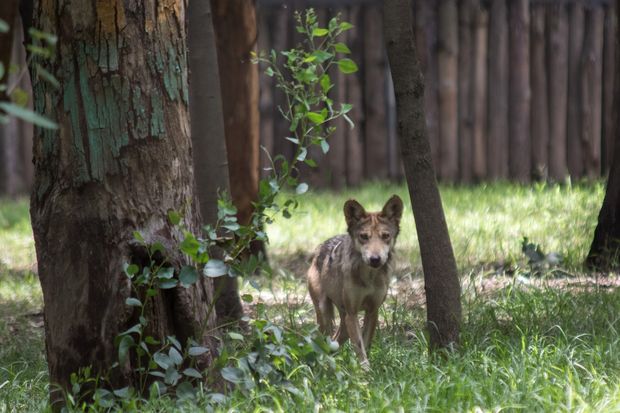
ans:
(43, 46)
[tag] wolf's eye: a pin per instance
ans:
(385, 236)
(364, 237)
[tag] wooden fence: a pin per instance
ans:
(515, 89)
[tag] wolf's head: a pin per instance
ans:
(374, 233)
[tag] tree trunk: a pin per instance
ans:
(465, 91)
(539, 108)
(519, 91)
(236, 33)
(557, 75)
(338, 146)
(498, 91)
(591, 91)
(608, 87)
(266, 103)
(574, 151)
(448, 93)
(479, 92)
(605, 248)
(376, 154)
(425, 13)
(119, 162)
(440, 273)
(209, 140)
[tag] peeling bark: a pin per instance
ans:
(119, 162)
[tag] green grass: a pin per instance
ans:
(527, 344)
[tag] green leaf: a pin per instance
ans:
(345, 108)
(342, 48)
(294, 140)
(233, 374)
(28, 115)
(175, 356)
(324, 146)
(172, 376)
(215, 268)
(188, 276)
(321, 55)
(4, 26)
(138, 236)
(131, 270)
(325, 83)
(269, 72)
(47, 76)
(310, 162)
(344, 26)
(248, 298)
(197, 351)
(162, 360)
(301, 188)
(174, 217)
(133, 302)
(168, 284)
(165, 273)
(319, 32)
(122, 393)
(315, 117)
(51, 39)
(174, 342)
(347, 66)
(127, 342)
(302, 154)
(190, 244)
(190, 372)
(185, 390)
(235, 336)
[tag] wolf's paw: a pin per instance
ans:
(365, 365)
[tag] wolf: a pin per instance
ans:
(352, 272)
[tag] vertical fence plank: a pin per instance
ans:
(465, 90)
(448, 79)
(574, 152)
(375, 107)
(609, 66)
(497, 147)
(539, 126)
(479, 86)
(519, 90)
(591, 90)
(557, 55)
(355, 153)
(337, 154)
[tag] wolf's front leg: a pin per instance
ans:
(370, 324)
(355, 334)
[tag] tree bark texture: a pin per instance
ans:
(440, 273)
(447, 57)
(465, 91)
(375, 124)
(539, 126)
(266, 104)
(209, 140)
(236, 34)
(574, 150)
(425, 14)
(497, 146)
(519, 90)
(591, 90)
(557, 78)
(605, 248)
(119, 162)
(609, 68)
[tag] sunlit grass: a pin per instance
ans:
(525, 346)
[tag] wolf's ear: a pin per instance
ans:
(353, 212)
(393, 209)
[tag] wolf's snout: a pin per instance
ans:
(375, 261)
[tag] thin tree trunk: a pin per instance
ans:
(605, 249)
(209, 140)
(539, 108)
(609, 68)
(426, 42)
(120, 161)
(376, 148)
(591, 91)
(557, 75)
(465, 91)
(497, 147)
(440, 273)
(338, 145)
(448, 93)
(519, 91)
(574, 151)
(479, 92)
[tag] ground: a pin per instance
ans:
(535, 338)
